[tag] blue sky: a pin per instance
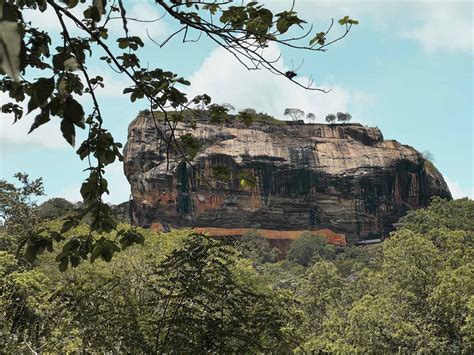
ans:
(406, 68)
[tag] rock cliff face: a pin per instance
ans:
(308, 176)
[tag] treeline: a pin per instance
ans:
(183, 292)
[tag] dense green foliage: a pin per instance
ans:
(309, 249)
(256, 248)
(417, 297)
(183, 292)
(18, 211)
(55, 208)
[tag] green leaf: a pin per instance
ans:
(69, 224)
(104, 33)
(221, 173)
(247, 180)
(287, 19)
(93, 13)
(211, 7)
(40, 119)
(63, 264)
(68, 131)
(266, 16)
(43, 88)
(108, 225)
(71, 3)
(318, 38)
(122, 43)
(42, 5)
(89, 188)
(71, 245)
(75, 260)
(96, 252)
(32, 104)
(344, 20)
(30, 253)
(282, 25)
(13, 108)
(129, 238)
(41, 91)
(73, 112)
(10, 42)
(59, 59)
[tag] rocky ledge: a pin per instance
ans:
(342, 177)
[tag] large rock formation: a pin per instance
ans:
(308, 176)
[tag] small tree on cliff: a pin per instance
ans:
(331, 118)
(427, 155)
(52, 78)
(311, 117)
(343, 117)
(295, 113)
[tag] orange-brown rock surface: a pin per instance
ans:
(308, 176)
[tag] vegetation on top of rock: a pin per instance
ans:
(221, 116)
(343, 117)
(340, 116)
(427, 155)
(297, 115)
(331, 118)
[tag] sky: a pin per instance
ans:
(407, 68)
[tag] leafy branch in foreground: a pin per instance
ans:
(243, 30)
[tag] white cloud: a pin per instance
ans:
(437, 26)
(447, 27)
(147, 12)
(48, 20)
(45, 136)
(459, 191)
(118, 185)
(222, 77)
(49, 135)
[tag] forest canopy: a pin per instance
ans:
(185, 292)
